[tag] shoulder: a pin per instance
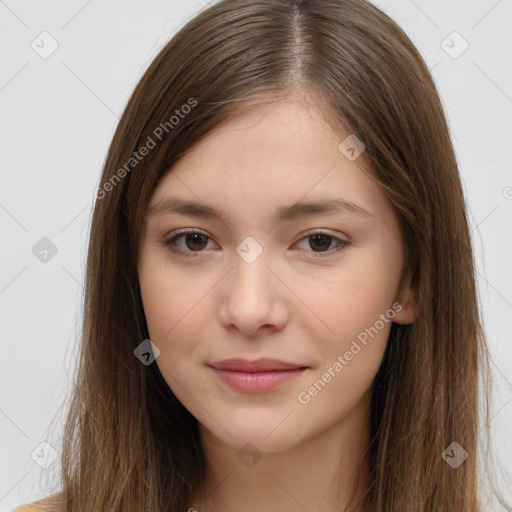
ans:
(49, 503)
(37, 506)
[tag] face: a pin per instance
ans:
(314, 287)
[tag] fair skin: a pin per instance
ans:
(295, 302)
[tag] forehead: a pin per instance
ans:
(272, 154)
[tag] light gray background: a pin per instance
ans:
(57, 119)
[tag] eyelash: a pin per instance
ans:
(178, 234)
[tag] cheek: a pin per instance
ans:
(350, 316)
(159, 302)
(170, 309)
(348, 301)
(168, 298)
(351, 352)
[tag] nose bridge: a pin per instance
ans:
(250, 295)
(250, 274)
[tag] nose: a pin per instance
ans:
(253, 296)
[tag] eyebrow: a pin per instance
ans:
(281, 214)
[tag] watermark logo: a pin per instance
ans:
(454, 45)
(45, 45)
(249, 455)
(44, 250)
(44, 455)
(304, 397)
(454, 455)
(137, 156)
(249, 249)
(351, 147)
(146, 352)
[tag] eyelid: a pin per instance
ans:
(168, 241)
(342, 244)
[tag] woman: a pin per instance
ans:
(257, 374)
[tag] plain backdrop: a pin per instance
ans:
(58, 115)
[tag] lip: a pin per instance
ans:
(258, 365)
(256, 376)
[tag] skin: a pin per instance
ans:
(295, 302)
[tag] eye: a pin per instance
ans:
(196, 241)
(322, 241)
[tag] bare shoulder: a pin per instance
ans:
(32, 507)
(44, 505)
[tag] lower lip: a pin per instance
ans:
(257, 382)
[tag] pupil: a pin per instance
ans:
(195, 237)
(324, 237)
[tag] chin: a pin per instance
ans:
(267, 436)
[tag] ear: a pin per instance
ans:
(408, 299)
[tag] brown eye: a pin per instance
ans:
(195, 241)
(321, 242)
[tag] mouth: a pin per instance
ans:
(256, 376)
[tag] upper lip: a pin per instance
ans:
(258, 365)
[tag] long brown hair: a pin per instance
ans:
(129, 444)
